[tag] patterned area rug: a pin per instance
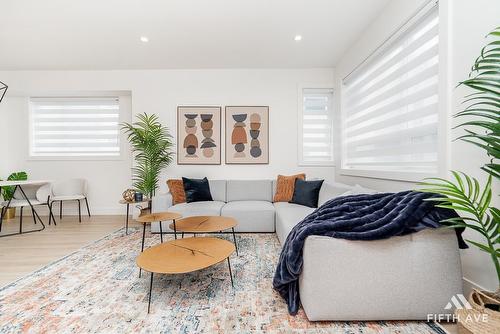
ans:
(97, 289)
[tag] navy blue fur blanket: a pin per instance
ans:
(356, 217)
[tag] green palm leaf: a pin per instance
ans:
(152, 148)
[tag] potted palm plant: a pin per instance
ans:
(152, 148)
(8, 192)
(464, 194)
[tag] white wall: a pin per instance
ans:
(159, 92)
(462, 31)
(468, 29)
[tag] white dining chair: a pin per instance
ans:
(37, 195)
(70, 190)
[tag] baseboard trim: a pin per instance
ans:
(469, 285)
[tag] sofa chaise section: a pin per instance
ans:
(401, 278)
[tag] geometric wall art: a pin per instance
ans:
(247, 134)
(198, 135)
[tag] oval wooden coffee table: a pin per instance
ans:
(206, 224)
(184, 256)
(157, 217)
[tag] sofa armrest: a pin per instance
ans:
(161, 202)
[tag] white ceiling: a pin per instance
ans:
(104, 34)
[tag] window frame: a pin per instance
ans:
(300, 119)
(444, 92)
(124, 102)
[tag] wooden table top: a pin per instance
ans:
(200, 224)
(158, 217)
(185, 255)
(23, 183)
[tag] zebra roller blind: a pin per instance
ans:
(66, 127)
(390, 105)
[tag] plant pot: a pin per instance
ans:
(10, 213)
(479, 319)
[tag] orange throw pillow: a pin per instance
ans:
(176, 188)
(285, 187)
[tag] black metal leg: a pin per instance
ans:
(79, 211)
(4, 209)
(235, 244)
(126, 221)
(87, 204)
(161, 232)
(230, 272)
(34, 216)
(142, 247)
(60, 209)
(175, 230)
(51, 215)
(182, 235)
(150, 291)
(21, 221)
(32, 208)
(1, 217)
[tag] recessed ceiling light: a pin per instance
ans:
(144, 39)
(297, 38)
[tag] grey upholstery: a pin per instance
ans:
(401, 278)
(287, 216)
(209, 208)
(249, 190)
(252, 216)
(218, 190)
(331, 190)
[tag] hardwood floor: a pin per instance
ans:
(22, 254)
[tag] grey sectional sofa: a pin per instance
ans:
(402, 278)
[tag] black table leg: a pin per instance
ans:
(175, 230)
(126, 221)
(230, 272)
(161, 232)
(60, 209)
(142, 247)
(49, 204)
(21, 221)
(150, 291)
(87, 204)
(235, 244)
(32, 208)
(33, 214)
(79, 211)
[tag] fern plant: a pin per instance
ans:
(152, 148)
(482, 128)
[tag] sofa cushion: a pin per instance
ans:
(249, 190)
(197, 190)
(207, 208)
(252, 216)
(287, 216)
(306, 192)
(331, 190)
(218, 190)
(285, 186)
(176, 188)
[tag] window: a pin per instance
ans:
(75, 127)
(390, 106)
(316, 127)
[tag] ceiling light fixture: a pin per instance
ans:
(297, 38)
(144, 39)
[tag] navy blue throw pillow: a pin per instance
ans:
(306, 192)
(197, 190)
